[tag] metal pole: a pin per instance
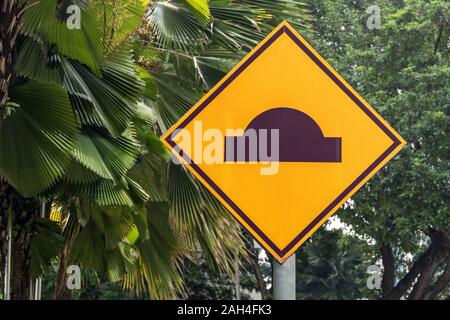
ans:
(36, 285)
(8, 255)
(39, 281)
(284, 279)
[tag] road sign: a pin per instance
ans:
(283, 141)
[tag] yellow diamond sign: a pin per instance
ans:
(283, 141)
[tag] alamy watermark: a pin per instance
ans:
(73, 277)
(374, 280)
(374, 20)
(237, 146)
(73, 21)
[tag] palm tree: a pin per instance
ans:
(79, 128)
(330, 267)
(65, 93)
(183, 49)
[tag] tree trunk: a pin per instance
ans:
(71, 231)
(10, 24)
(20, 284)
(11, 12)
(442, 282)
(389, 269)
(421, 272)
(237, 277)
(9, 29)
(426, 276)
(61, 290)
(11, 199)
(253, 258)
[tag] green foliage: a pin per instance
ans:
(200, 9)
(109, 157)
(159, 274)
(402, 70)
(82, 126)
(183, 57)
(37, 138)
(202, 283)
(33, 62)
(330, 266)
(202, 52)
(43, 21)
(45, 245)
(408, 83)
(96, 100)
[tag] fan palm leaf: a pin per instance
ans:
(46, 20)
(78, 129)
(85, 44)
(37, 139)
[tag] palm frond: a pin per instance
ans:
(103, 28)
(79, 174)
(84, 45)
(211, 69)
(95, 101)
(121, 74)
(150, 174)
(34, 62)
(173, 99)
(38, 138)
(200, 9)
(204, 223)
(89, 249)
(158, 272)
(176, 27)
(46, 243)
(109, 157)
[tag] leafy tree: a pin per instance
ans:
(402, 69)
(332, 265)
(202, 283)
(92, 288)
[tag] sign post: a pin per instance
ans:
(283, 279)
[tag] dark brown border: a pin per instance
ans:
(234, 75)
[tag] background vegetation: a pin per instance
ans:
(81, 112)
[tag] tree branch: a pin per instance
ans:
(440, 243)
(257, 269)
(441, 283)
(438, 39)
(389, 269)
(406, 282)
(426, 275)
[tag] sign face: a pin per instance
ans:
(283, 141)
